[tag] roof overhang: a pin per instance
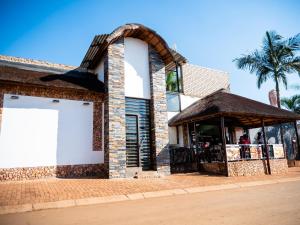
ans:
(237, 110)
(237, 120)
(101, 43)
(73, 79)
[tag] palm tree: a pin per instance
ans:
(292, 103)
(275, 60)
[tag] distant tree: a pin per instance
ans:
(274, 61)
(295, 86)
(292, 103)
(171, 82)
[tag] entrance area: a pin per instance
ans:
(138, 149)
(205, 139)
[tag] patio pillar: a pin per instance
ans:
(266, 146)
(282, 141)
(224, 142)
(297, 138)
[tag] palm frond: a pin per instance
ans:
(292, 103)
(260, 80)
(271, 37)
(282, 77)
(291, 64)
(255, 62)
(270, 43)
(293, 43)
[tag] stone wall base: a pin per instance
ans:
(238, 168)
(65, 171)
(256, 167)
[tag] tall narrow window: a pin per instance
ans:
(173, 88)
(179, 78)
(174, 79)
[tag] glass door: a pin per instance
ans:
(138, 133)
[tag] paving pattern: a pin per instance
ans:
(54, 189)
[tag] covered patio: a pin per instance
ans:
(216, 136)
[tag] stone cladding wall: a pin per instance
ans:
(64, 171)
(115, 126)
(200, 81)
(159, 117)
(256, 167)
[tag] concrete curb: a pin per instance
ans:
(136, 196)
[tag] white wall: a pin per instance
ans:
(172, 136)
(136, 66)
(100, 70)
(239, 131)
(186, 101)
(180, 135)
(172, 130)
(37, 132)
(171, 115)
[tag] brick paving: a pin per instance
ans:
(54, 189)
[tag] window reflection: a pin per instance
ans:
(173, 102)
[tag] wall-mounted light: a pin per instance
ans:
(86, 103)
(55, 101)
(14, 97)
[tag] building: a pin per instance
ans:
(117, 114)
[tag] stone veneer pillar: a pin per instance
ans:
(115, 133)
(159, 116)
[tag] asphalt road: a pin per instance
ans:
(277, 204)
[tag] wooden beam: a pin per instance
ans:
(177, 135)
(282, 141)
(297, 136)
(222, 120)
(266, 145)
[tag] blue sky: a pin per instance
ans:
(208, 33)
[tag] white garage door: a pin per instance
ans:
(38, 131)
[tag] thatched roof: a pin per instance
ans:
(41, 65)
(239, 110)
(71, 79)
(101, 42)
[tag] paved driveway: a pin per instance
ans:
(50, 190)
(266, 205)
